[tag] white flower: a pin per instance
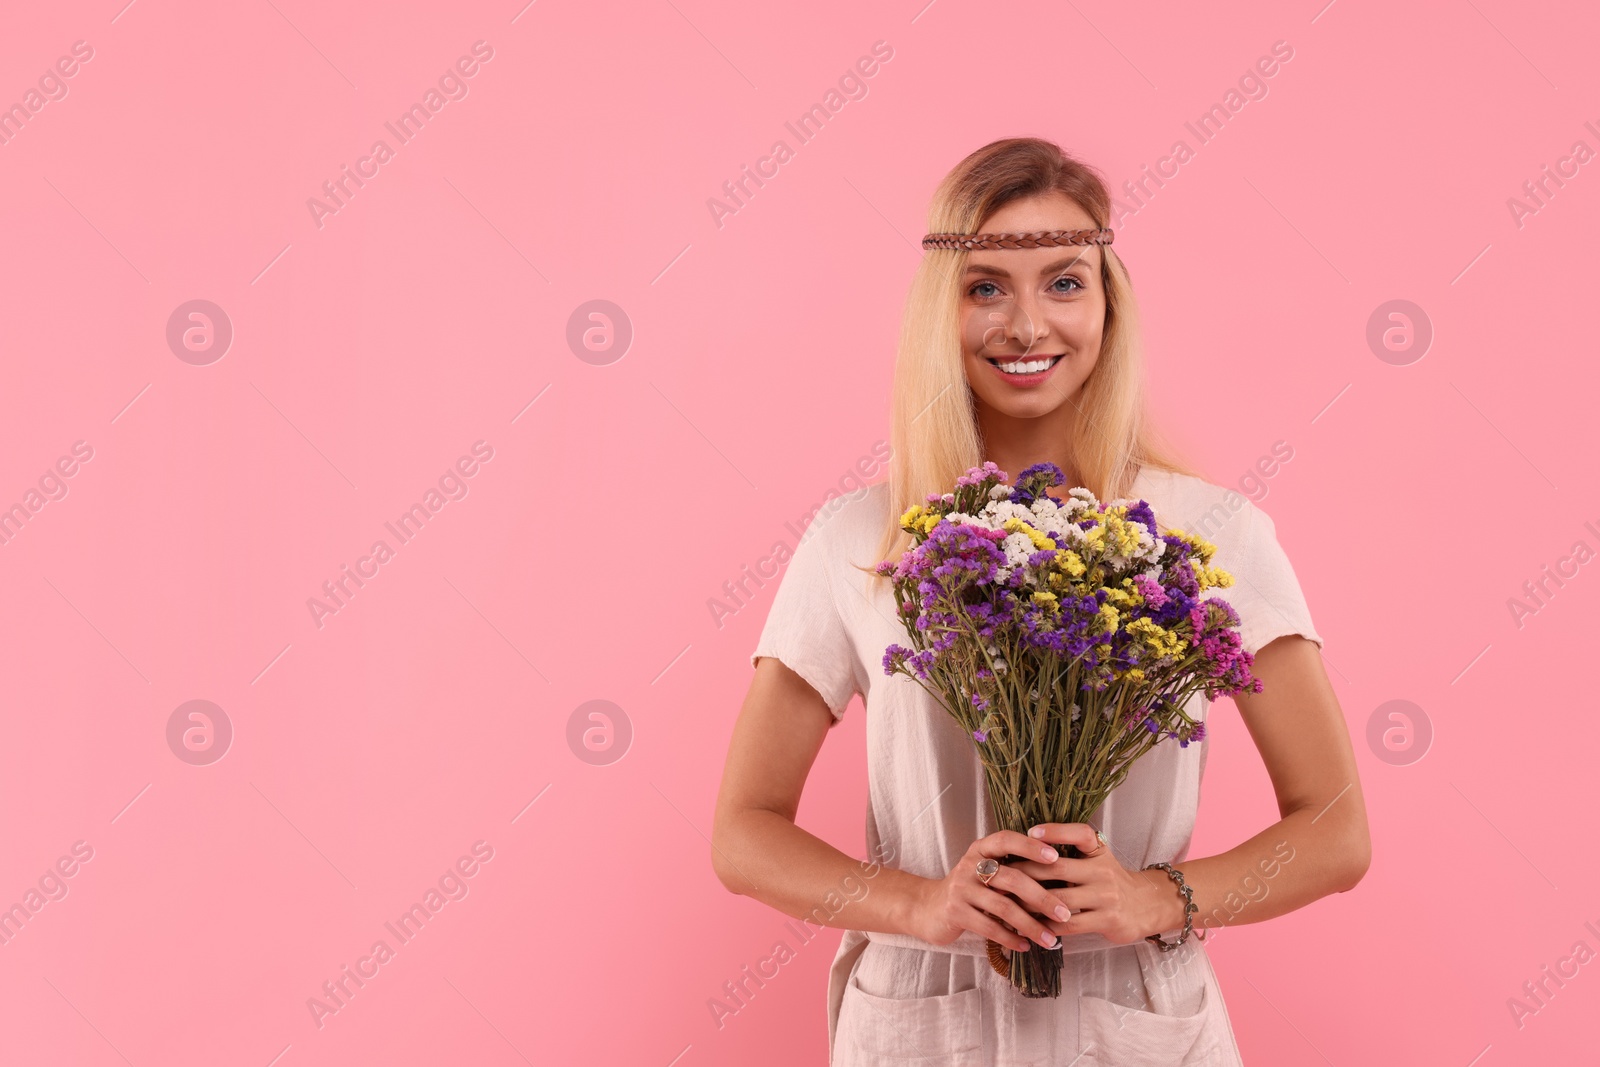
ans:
(1017, 547)
(996, 512)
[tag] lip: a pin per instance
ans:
(1027, 380)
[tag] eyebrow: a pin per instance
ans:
(1049, 268)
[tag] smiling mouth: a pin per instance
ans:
(1025, 365)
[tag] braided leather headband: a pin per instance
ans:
(1036, 239)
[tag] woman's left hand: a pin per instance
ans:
(1105, 898)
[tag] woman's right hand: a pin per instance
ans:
(944, 907)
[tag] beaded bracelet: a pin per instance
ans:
(1189, 907)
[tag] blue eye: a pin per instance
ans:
(1075, 286)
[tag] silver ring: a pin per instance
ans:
(987, 869)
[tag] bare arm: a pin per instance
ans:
(1320, 845)
(758, 851)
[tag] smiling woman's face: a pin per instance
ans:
(1038, 310)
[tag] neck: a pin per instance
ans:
(1014, 444)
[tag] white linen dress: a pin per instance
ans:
(896, 999)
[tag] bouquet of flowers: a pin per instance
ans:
(1065, 636)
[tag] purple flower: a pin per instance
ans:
(1154, 596)
(1140, 512)
(976, 475)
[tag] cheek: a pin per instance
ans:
(1080, 324)
(982, 329)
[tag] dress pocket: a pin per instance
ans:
(1112, 1033)
(942, 1031)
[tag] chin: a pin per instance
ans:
(1035, 410)
(1026, 407)
(1026, 404)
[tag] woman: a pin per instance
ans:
(1019, 355)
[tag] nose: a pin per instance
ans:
(1027, 324)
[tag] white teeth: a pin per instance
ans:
(1031, 367)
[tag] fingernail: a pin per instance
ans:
(1050, 855)
(1037, 831)
(1049, 939)
(1062, 913)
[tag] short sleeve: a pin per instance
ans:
(1265, 592)
(805, 630)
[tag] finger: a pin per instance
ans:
(983, 924)
(1029, 893)
(1085, 912)
(1066, 869)
(1078, 900)
(1080, 834)
(1010, 843)
(1008, 910)
(1085, 921)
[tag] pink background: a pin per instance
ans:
(432, 710)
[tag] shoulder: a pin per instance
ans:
(847, 527)
(1265, 591)
(1223, 516)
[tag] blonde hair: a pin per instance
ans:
(934, 433)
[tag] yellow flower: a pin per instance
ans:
(1040, 541)
(1123, 535)
(1199, 548)
(1157, 638)
(1071, 562)
(919, 519)
(1211, 577)
(1126, 595)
